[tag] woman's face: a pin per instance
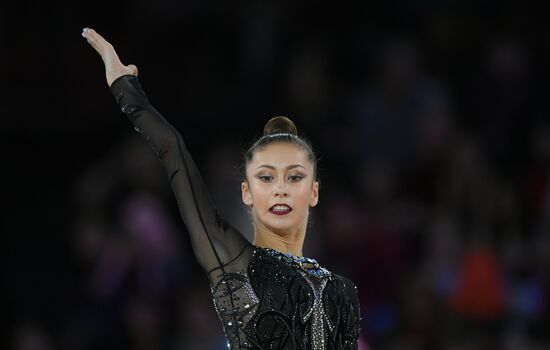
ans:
(280, 188)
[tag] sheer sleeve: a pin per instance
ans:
(216, 244)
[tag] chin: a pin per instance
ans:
(281, 225)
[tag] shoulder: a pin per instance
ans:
(349, 287)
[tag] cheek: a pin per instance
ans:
(302, 197)
(260, 195)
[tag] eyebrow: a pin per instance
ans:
(288, 167)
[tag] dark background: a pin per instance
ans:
(430, 119)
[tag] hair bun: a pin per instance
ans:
(280, 125)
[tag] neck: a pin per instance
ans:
(290, 243)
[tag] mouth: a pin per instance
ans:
(280, 209)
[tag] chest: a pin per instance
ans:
(275, 305)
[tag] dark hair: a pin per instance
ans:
(280, 130)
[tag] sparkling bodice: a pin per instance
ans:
(276, 304)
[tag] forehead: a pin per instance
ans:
(281, 155)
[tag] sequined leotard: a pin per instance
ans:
(264, 298)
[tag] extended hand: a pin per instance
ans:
(113, 67)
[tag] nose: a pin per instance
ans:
(280, 189)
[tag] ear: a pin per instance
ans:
(246, 195)
(314, 194)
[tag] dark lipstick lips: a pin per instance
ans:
(280, 212)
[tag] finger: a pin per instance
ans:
(99, 39)
(95, 46)
(96, 40)
(92, 40)
(102, 47)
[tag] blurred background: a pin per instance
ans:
(432, 125)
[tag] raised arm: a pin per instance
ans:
(216, 244)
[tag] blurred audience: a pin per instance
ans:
(435, 194)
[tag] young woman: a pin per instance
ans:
(267, 295)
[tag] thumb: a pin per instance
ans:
(134, 69)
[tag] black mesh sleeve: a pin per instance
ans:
(216, 244)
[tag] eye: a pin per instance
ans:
(295, 178)
(265, 178)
